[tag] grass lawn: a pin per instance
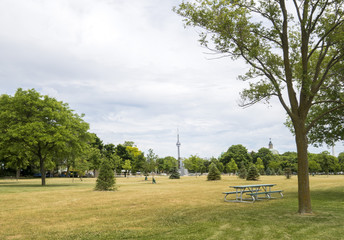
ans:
(189, 208)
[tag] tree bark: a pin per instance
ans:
(303, 172)
(41, 161)
(18, 174)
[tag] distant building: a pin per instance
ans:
(271, 148)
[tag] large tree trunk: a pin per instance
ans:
(41, 162)
(303, 172)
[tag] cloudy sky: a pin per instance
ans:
(136, 73)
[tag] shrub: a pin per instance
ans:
(252, 173)
(214, 173)
(106, 179)
(242, 171)
(174, 174)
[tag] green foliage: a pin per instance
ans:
(328, 162)
(295, 53)
(151, 162)
(279, 172)
(137, 157)
(252, 174)
(237, 152)
(214, 173)
(127, 166)
(174, 174)
(232, 167)
(106, 180)
(265, 155)
(242, 171)
(268, 171)
(93, 156)
(218, 164)
(341, 157)
(41, 129)
(260, 166)
(166, 164)
(287, 172)
(314, 166)
(274, 165)
(194, 164)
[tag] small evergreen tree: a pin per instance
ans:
(242, 171)
(174, 173)
(214, 173)
(279, 172)
(252, 173)
(106, 179)
(268, 171)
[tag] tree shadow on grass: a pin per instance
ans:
(21, 185)
(329, 195)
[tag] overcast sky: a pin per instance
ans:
(136, 73)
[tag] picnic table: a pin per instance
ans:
(252, 193)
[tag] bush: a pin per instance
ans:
(214, 173)
(106, 179)
(252, 173)
(287, 172)
(174, 174)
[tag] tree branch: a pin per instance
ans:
(323, 38)
(309, 127)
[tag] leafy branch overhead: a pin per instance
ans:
(296, 57)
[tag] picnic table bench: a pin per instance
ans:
(253, 191)
(267, 194)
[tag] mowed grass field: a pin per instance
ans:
(189, 208)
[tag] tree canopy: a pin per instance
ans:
(39, 128)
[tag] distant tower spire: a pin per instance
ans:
(181, 168)
(178, 146)
(271, 146)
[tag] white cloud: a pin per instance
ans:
(135, 72)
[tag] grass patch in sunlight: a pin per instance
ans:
(186, 208)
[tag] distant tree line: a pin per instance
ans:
(237, 159)
(40, 135)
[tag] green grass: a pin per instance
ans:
(186, 208)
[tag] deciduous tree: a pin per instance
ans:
(194, 163)
(232, 167)
(41, 127)
(296, 53)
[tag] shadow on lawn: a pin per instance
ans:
(331, 195)
(21, 185)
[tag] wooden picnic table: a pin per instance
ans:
(254, 192)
